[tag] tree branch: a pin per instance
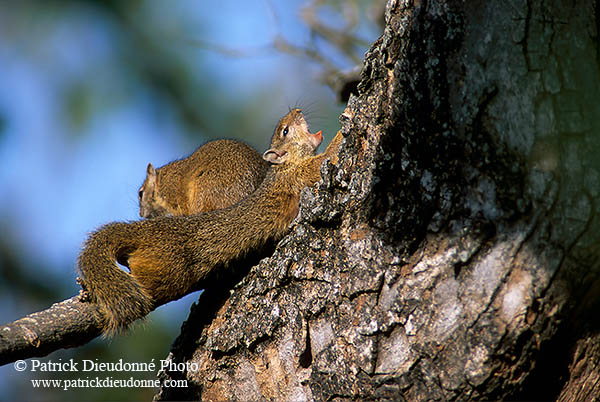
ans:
(67, 324)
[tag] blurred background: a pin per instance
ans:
(91, 91)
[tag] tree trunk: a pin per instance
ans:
(453, 252)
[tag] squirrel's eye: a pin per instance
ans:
(285, 131)
(141, 194)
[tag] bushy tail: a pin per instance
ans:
(120, 297)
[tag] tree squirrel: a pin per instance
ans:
(202, 182)
(169, 256)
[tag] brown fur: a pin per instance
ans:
(168, 257)
(218, 174)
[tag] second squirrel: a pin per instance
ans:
(218, 174)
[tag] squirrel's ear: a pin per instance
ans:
(150, 171)
(274, 156)
(151, 178)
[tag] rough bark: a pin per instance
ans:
(453, 252)
(67, 324)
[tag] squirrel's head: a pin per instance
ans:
(292, 139)
(152, 204)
